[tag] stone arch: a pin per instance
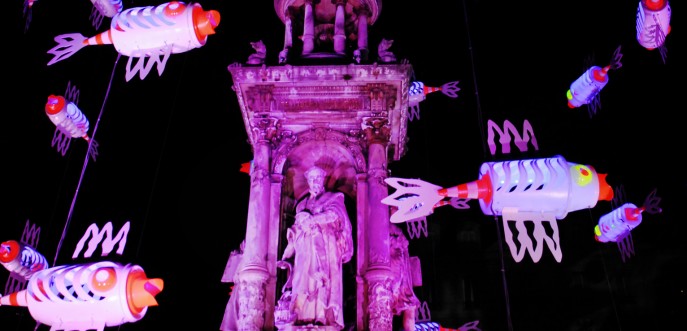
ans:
(331, 150)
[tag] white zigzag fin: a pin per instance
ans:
(539, 233)
(414, 198)
(146, 61)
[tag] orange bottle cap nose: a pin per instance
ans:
(54, 104)
(206, 22)
(9, 250)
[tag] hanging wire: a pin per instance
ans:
(85, 163)
(608, 281)
(157, 168)
(480, 123)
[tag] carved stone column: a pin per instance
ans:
(339, 33)
(254, 275)
(288, 35)
(378, 271)
(361, 255)
(273, 247)
(362, 13)
(309, 27)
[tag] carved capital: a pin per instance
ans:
(362, 10)
(339, 2)
(265, 129)
(376, 129)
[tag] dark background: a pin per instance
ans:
(170, 148)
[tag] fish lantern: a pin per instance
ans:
(148, 34)
(88, 296)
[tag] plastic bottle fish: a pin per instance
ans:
(21, 259)
(148, 34)
(653, 24)
(585, 89)
(546, 185)
(67, 117)
(617, 224)
(87, 296)
(108, 8)
(418, 92)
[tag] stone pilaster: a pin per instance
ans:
(361, 255)
(254, 274)
(378, 271)
(251, 286)
(272, 248)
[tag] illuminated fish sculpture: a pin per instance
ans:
(88, 296)
(585, 89)
(418, 92)
(104, 8)
(653, 25)
(536, 190)
(148, 34)
(21, 259)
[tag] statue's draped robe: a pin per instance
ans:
(321, 243)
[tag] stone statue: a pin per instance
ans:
(260, 53)
(385, 55)
(231, 312)
(404, 300)
(321, 241)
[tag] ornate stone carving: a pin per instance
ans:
(376, 129)
(351, 143)
(259, 98)
(378, 175)
(260, 53)
(251, 305)
(379, 309)
(265, 129)
(258, 174)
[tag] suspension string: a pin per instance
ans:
(85, 163)
(159, 162)
(480, 123)
(608, 281)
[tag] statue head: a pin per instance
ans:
(315, 176)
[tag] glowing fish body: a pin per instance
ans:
(618, 223)
(585, 88)
(545, 185)
(108, 8)
(653, 23)
(21, 259)
(87, 296)
(67, 117)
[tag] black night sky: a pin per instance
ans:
(170, 147)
